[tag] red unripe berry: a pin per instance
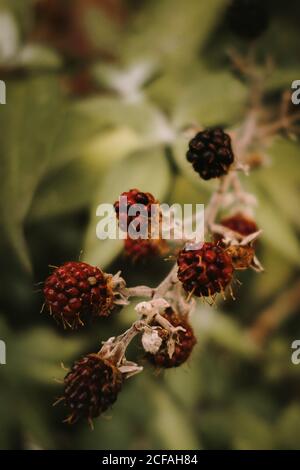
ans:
(77, 290)
(184, 344)
(240, 223)
(206, 270)
(134, 196)
(142, 250)
(91, 387)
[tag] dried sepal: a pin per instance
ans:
(151, 340)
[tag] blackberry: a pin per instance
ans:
(134, 197)
(205, 271)
(240, 223)
(91, 387)
(75, 290)
(210, 153)
(142, 250)
(184, 344)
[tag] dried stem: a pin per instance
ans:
(167, 283)
(140, 291)
(281, 124)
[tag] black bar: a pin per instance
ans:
(137, 458)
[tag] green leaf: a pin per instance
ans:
(37, 355)
(276, 188)
(278, 366)
(287, 428)
(185, 383)
(223, 330)
(33, 421)
(123, 426)
(267, 285)
(30, 123)
(170, 422)
(251, 431)
(21, 10)
(127, 82)
(35, 56)
(69, 189)
(210, 98)
(287, 199)
(129, 173)
(102, 31)
(41, 132)
(185, 193)
(281, 78)
(159, 33)
(284, 155)
(73, 186)
(142, 117)
(277, 230)
(9, 36)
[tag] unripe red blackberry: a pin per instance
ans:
(142, 250)
(240, 223)
(205, 271)
(210, 153)
(183, 347)
(91, 387)
(76, 290)
(248, 19)
(134, 196)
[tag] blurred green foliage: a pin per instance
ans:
(68, 143)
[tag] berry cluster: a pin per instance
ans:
(76, 291)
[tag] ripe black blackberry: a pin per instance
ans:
(248, 19)
(210, 153)
(91, 387)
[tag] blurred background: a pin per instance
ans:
(99, 94)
